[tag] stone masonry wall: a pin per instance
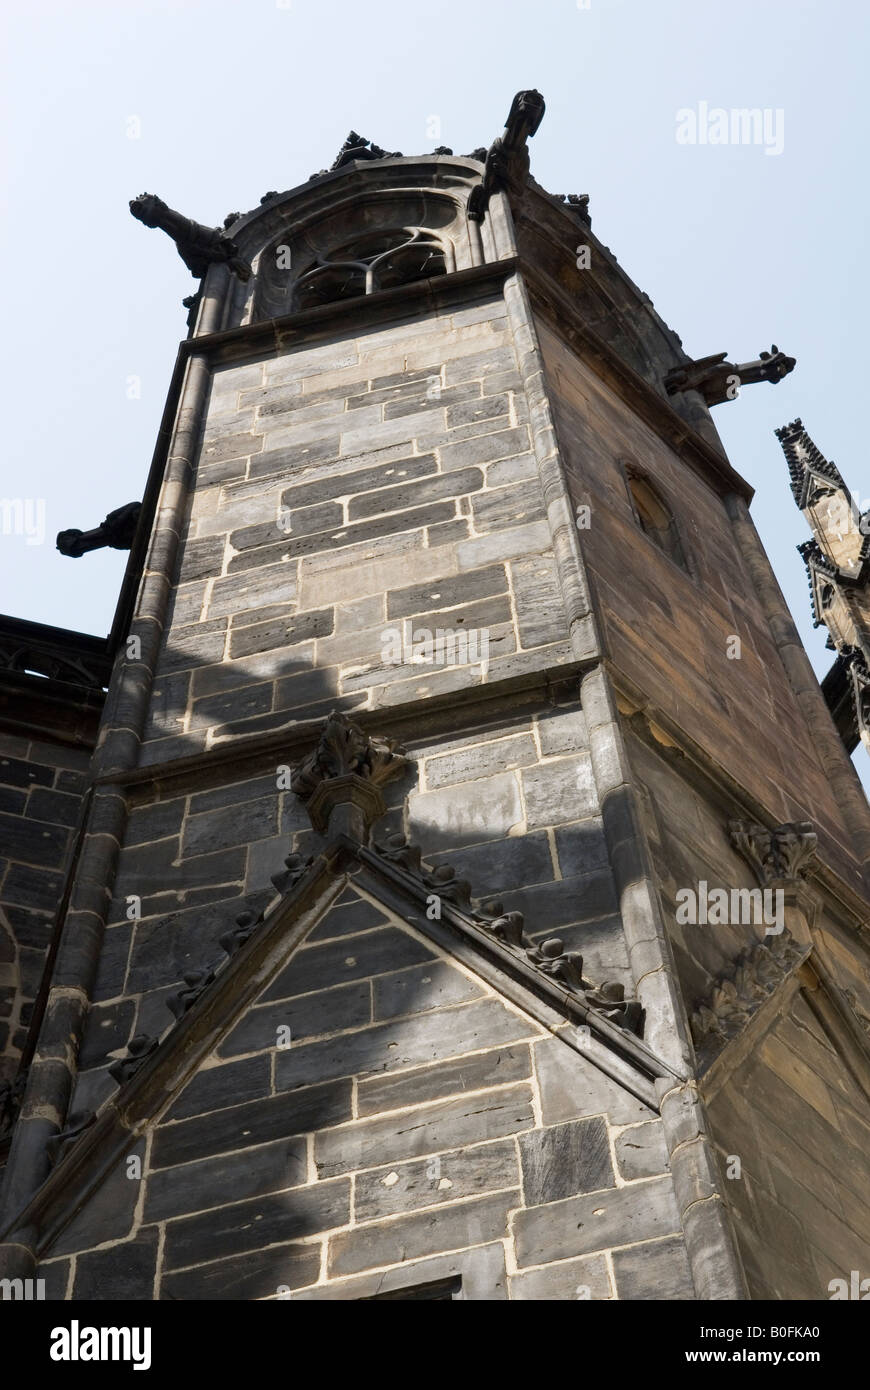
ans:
(416, 1129)
(666, 629)
(379, 476)
(800, 1125)
(41, 787)
(508, 801)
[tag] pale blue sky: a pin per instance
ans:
(738, 249)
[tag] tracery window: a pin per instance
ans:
(378, 263)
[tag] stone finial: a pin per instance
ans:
(781, 855)
(340, 780)
(198, 246)
(719, 380)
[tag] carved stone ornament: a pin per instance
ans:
(507, 160)
(736, 997)
(344, 775)
(550, 958)
(714, 377)
(294, 867)
(117, 532)
(140, 1049)
(198, 246)
(781, 855)
(196, 982)
(246, 925)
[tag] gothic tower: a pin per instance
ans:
(470, 894)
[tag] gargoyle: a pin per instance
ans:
(198, 246)
(507, 160)
(719, 380)
(117, 532)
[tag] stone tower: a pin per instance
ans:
(470, 896)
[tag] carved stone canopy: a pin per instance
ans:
(340, 780)
(781, 855)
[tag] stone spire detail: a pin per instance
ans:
(836, 560)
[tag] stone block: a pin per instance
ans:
(596, 1221)
(565, 1160)
(421, 988)
(485, 448)
(219, 1087)
(656, 1270)
(254, 1275)
(409, 1237)
(480, 761)
(571, 1087)
(395, 1190)
(499, 1067)
(405, 1042)
(556, 792)
(641, 1152)
(214, 1182)
(349, 958)
(587, 1279)
(309, 1016)
(256, 1122)
(123, 1272)
(468, 813)
(226, 1231)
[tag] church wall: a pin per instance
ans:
(41, 787)
(414, 1127)
(666, 630)
(795, 1117)
(398, 460)
(507, 799)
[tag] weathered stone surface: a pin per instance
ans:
(572, 1087)
(408, 1237)
(641, 1152)
(107, 1215)
(480, 1274)
(256, 1274)
(657, 1270)
(403, 1043)
(257, 1122)
(581, 1225)
(468, 813)
(499, 1067)
(394, 1191)
(480, 761)
(421, 988)
(234, 1229)
(125, 1271)
(586, 1280)
(565, 1160)
(307, 1016)
(559, 791)
(442, 1125)
(213, 1182)
(348, 958)
(216, 1088)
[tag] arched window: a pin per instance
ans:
(655, 518)
(378, 263)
